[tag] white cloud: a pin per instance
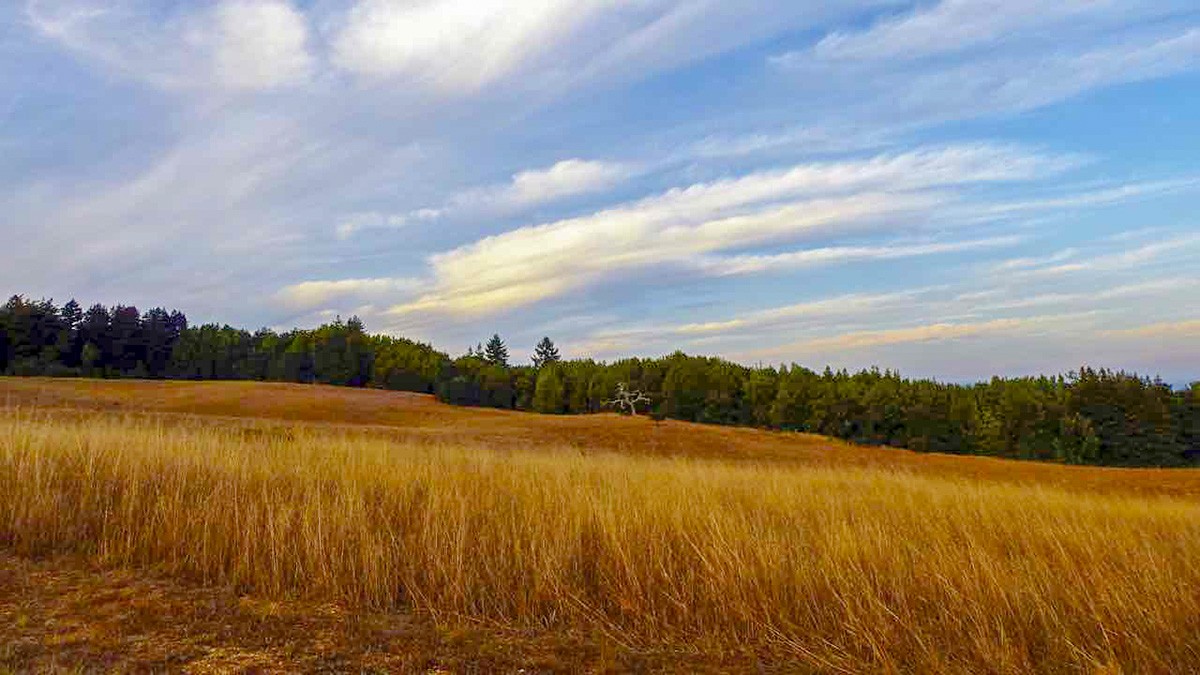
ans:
(535, 187)
(1030, 262)
(374, 220)
(260, 44)
(683, 225)
(810, 139)
(531, 264)
(1098, 197)
(952, 25)
(453, 45)
(1012, 77)
(815, 313)
(540, 48)
(544, 47)
(1071, 262)
(565, 179)
(936, 332)
(308, 295)
(841, 326)
(1188, 328)
(753, 264)
(526, 189)
(232, 44)
(1046, 343)
(576, 177)
(1015, 82)
(228, 209)
(1004, 299)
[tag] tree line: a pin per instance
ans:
(1090, 416)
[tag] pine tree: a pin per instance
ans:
(545, 353)
(72, 315)
(496, 353)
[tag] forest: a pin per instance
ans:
(1088, 416)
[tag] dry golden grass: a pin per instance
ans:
(413, 418)
(845, 568)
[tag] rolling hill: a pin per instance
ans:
(245, 526)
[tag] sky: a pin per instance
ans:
(952, 189)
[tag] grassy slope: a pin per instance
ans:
(415, 417)
(562, 537)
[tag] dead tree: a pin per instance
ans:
(626, 401)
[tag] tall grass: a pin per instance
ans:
(842, 569)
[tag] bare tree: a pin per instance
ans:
(626, 400)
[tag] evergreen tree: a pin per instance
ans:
(545, 352)
(72, 315)
(496, 352)
(70, 344)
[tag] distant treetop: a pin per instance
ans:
(545, 352)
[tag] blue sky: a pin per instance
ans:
(953, 189)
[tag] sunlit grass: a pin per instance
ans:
(844, 568)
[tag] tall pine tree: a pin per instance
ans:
(545, 353)
(496, 352)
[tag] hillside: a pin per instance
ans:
(217, 527)
(417, 416)
(1095, 417)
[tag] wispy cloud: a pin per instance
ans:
(533, 263)
(231, 44)
(461, 48)
(527, 189)
(829, 255)
(309, 295)
(1103, 196)
(814, 315)
(811, 139)
(1013, 77)
(954, 25)
(936, 332)
(1073, 262)
(452, 45)
(375, 220)
(565, 179)
(259, 44)
(1189, 328)
(1026, 83)
(838, 325)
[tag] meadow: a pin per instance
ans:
(805, 553)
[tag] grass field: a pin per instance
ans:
(623, 542)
